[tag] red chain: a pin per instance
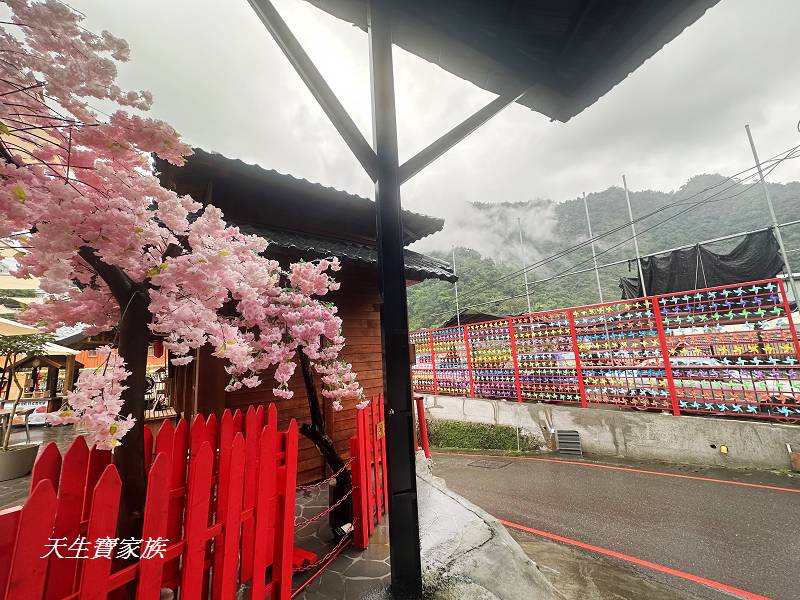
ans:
(326, 480)
(302, 523)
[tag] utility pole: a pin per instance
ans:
(594, 255)
(455, 284)
(775, 228)
(635, 239)
(524, 266)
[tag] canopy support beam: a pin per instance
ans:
(382, 166)
(316, 84)
(426, 156)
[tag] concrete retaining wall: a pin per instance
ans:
(634, 434)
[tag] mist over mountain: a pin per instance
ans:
(486, 236)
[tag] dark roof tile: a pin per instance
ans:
(418, 266)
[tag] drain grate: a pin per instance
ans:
(568, 442)
(489, 464)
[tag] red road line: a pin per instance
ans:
(638, 561)
(628, 469)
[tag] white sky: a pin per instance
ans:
(219, 78)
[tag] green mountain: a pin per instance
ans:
(706, 207)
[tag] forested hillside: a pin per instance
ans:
(715, 208)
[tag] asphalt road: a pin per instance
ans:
(745, 537)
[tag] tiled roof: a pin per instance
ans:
(418, 266)
(254, 194)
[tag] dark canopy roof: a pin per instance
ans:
(276, 199)
(418, 266)
(569, 52)
(297, 215)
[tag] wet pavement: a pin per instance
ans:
(353, 574)
(736, 535)
(14, 492)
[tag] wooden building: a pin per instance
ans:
(301, 220)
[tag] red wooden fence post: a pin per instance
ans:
(577, 353)
(374, 441)
(253, 424)
(266, 505)
(285, 524)
(230, 515)
(27, 569)
(423, 426)
(369, 456)
(513, 339)
(662, 341)
(98, 461)
(196, 521)
(61, 573)
(47, 466)
(156, 513)
(178, 444)
(102, 524)
(360, 514)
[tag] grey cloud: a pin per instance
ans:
(220, 79)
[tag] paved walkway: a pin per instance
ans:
(733, 528)
(15, 491)
(353, 575)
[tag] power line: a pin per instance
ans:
(656, 225)
(583, 244)
(574, 248)
(566, 272)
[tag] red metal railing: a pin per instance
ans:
(190, 503)
(723, 350)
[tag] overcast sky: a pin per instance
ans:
(220, 79)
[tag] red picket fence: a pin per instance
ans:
(370, 485)
(227, 484)
(421, 435)
(726, 350)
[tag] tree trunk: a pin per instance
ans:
(134, 334)
(129, 457)
(315, 431)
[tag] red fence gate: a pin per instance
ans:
(724, 350)
(370, 485)
(77, 496)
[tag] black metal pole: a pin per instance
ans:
(404, 549)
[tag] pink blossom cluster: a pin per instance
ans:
(225, 293)
(95, 404)
(73, 182)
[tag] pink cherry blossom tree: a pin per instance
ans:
(117, 252)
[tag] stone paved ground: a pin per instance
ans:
(353, 574)
(15, 491)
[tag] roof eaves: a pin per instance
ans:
(424, 225)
